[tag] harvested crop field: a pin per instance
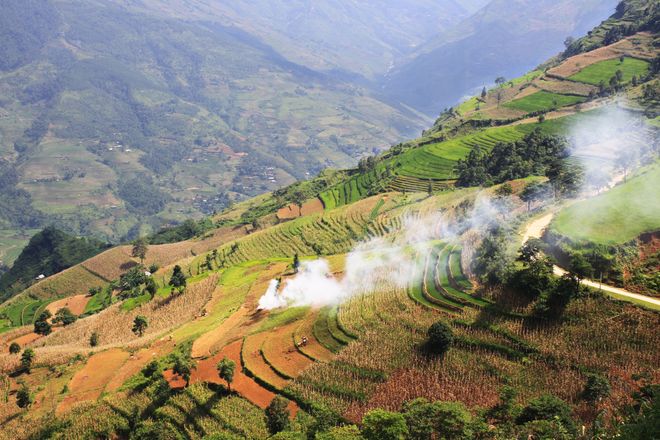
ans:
(638, 45)
(75, 303)
(292, 211)
(90, 382)
(137, 361)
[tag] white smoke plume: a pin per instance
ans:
(609, 143)
(395, 261)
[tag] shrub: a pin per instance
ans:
(453, 421)
(596, 388)
(23, 396)
(548, 407)
(27, 359)
(350, 432)
(94, 339)
(65, 316)
(150, 369)
(41, 325)
(277, 415)
(379, 424)
(14, 348)
(440, 338)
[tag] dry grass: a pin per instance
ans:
(114, 326)
(638, 45)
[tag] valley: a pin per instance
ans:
(495, 277)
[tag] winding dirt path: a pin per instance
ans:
(536, 228)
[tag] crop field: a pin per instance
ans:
(604, 70)
(543, 100)
(607, 219)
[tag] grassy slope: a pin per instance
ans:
(616, 216)
(605, 70)
(543, 100)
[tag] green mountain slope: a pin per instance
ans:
(101, 95)
(47, 253)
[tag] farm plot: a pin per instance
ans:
(604, 70)
(90, 381)
(201, 412)
(542, 101)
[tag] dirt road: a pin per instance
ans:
(536, 228)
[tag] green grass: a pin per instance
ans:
(604, 70)
(283, 317)
(617, 216)
(99, 301)
(543, 100)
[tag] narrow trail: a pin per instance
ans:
(536, 228)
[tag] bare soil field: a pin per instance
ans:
(90, 381)
(293, 211)
(280, 352)
(75, 303)
(138, 360)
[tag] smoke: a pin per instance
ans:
(608, 143)
(395, 261)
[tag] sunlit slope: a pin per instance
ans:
(617, 216)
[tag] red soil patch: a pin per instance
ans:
(256, 364)
(25, 339)
(137, 361)
(312, 348)
(281, 353)
(76, 304)
(89, 383)
(292, 211)
(244, 385)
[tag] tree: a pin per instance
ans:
(625, 161)
(140, 249)
(500, 80)
(277, 415)
(178, 279)
(379, 424)
(568, 42)
(505, 410)
(453, 421)
(596, 388)
(347, 432)
(209, 262)
(440, 338)
(23, 396)
(504, 190)
(580, 268)
(140, 324)
(296, 262)
(41, 325)
(65, 316)
(532, 192)
(421, 418)
(94, 339)
(299, 198)
(150, 287)
(27, 359)
(548, 407)
(14, 348)
(182, 368)
(484, 93)
(226, 368)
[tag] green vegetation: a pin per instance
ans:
(617, 216)
(48, 252)
(543, 101)
(604, 70)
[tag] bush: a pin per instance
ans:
(548, 407)
(350, 432)
(14, 348)
(94, 339)
(440, 338)
(23, 396)
(277, 415)
(596, 388)
(27, 359)
(454, 421)
(379, 424)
